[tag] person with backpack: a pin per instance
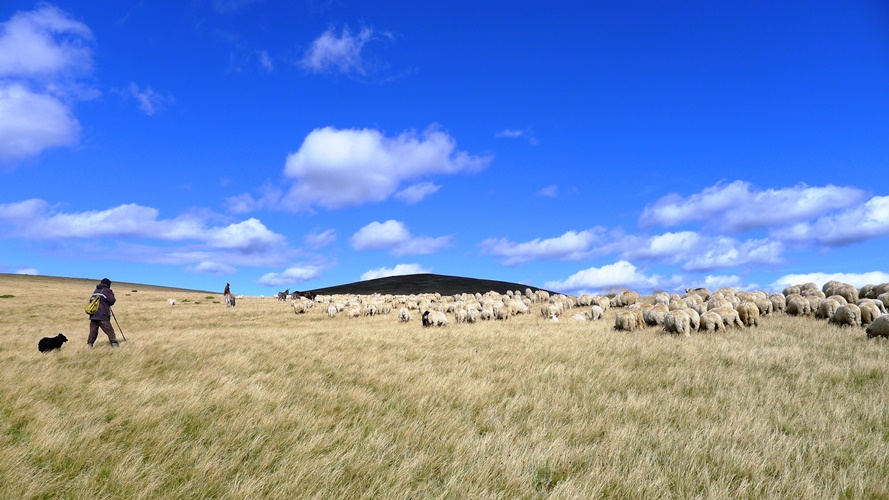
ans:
(101, 318)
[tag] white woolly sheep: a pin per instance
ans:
(869, 312)
(434, 318)
(711, 321)
(331, 311)
(172, 302)
(878, 303)
(596, 313)
(847, 315)
(779, 302)
(626, 321)
(748, 312)
(694, 319)
(654, 315)
(580, 317)
(729, 316)
(829, 307)
(879, 327)
(472, 315)
(404, 315)
(765, 306)
(700, 292)
(798, 306)
(624, 299)
(677, 322)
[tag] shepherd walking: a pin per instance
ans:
(101, 318)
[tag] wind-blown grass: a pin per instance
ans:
(257, 402)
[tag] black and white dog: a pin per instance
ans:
(47, 344)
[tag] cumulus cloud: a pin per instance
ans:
(42, 52)
(723, 252)
(337, 168)
(572, 245)
(211, 268)
(35, 219)
(291, 276)
(321, 239)
(864, 222)
(739, 207)
(620, 274)
(857, 280)
(342, 53)
(415, 193)
(398, 270)
(394, 235)
(671, 247)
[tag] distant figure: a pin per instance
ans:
(229, 298)
(101, 318)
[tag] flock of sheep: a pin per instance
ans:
(696, 310)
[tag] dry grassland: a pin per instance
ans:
(205, 401)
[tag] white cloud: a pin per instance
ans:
(671, 247)
(857, 280)
(342, 53)
(620, 274)
(44, 43)
(509, 134)
(34, 219)
(864, 222)
(398, 270)
(148, 99)
(572, 245)
(29, 271)
(265, 60)
(723, 252)
(549, 191)
(337, 168)
(738, 207)
(318, 240)
(31, 123)
(395, 236)
(42, 49)
(293, 275)
(415, 193)
(211, 268)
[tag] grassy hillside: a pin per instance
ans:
(205, 401)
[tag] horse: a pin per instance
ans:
(229, 300)
(282, 296)
(308, 295)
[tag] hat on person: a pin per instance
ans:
(105, 281)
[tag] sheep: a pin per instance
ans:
(848, 292)
(700, 292)
(729, 316)
(878, 303)
(677, 322)
(487, 313)
(298, 306)
(779, 302)
(596, 313)
(460, 315)
(814, 301)
(585, 300)
(331, 311)
(580, 317)
(172, 302)
(884, 298)
(434, 318)
(604, 302)
(654, 316)
(354, 312)
(847, 315)
(879, 327)
(624, 299)
(869, 312)
(808, 286)
(661, 298)
(867, 292)
(798, 306)
(626, 321)
(748, 312)
(764, 305)
(881, 289)
(829, 307)
(472, 315)
(694, 319)
(404, 315)
(791, 290)
(839, 298)
(711, 321)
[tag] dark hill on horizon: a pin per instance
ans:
(424, 283)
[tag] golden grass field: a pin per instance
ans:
(205, 401)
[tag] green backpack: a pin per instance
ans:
(93, 305)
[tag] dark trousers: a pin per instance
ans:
(106, 327)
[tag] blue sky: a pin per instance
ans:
(577, 146)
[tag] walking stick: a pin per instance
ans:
(124, 337)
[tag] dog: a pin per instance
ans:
(47, 344)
